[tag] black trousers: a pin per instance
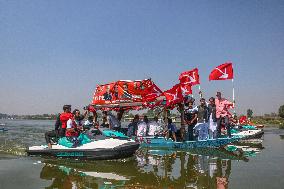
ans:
(227, 126)
(54, 134)
(50, 134)
(190, 132)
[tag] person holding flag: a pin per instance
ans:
(222, 113)
(223, 72)
(187, 80)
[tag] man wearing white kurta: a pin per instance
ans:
(212, 119)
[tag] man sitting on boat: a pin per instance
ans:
(92, 119)
(111, 121)
(60, 125)
(142, 127)
(89, 123)
(155, 128)
(74, 124)
(74, 128)
(132, 127)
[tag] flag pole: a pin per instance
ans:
(200, 93)
(233, 96)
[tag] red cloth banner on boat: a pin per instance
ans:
(222, 72)
(190, 77)
(173, 95)
(126, 91)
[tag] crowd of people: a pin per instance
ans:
(200, 122)
(207, 119)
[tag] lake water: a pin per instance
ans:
(146, 169)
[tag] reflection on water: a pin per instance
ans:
(147, 169)
(195, 168)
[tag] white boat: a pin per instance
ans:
(249, 134)
(109, 148)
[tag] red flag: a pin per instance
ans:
(189, 77)
(186, 90)
(173, 95)
(222, 72)
(243, 120)
(151, 91)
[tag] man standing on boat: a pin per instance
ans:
(112, 121)
(222, 113)
(212, 119)
(172, 129)
(190, 116)
(202, 120)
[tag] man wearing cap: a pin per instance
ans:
(222, 112)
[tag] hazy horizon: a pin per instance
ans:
(56, 52)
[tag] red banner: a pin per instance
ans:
(222, 72)
(126, 91)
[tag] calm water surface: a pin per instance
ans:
(146, 169)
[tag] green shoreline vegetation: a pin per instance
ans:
(268, 120)
(29, 117)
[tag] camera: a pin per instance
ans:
(86, 107)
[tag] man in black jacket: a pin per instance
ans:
(212, 118)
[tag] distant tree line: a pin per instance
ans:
(32, 117)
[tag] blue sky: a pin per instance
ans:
(56, 52)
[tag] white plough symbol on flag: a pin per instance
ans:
(224, 74)
(192, 78)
